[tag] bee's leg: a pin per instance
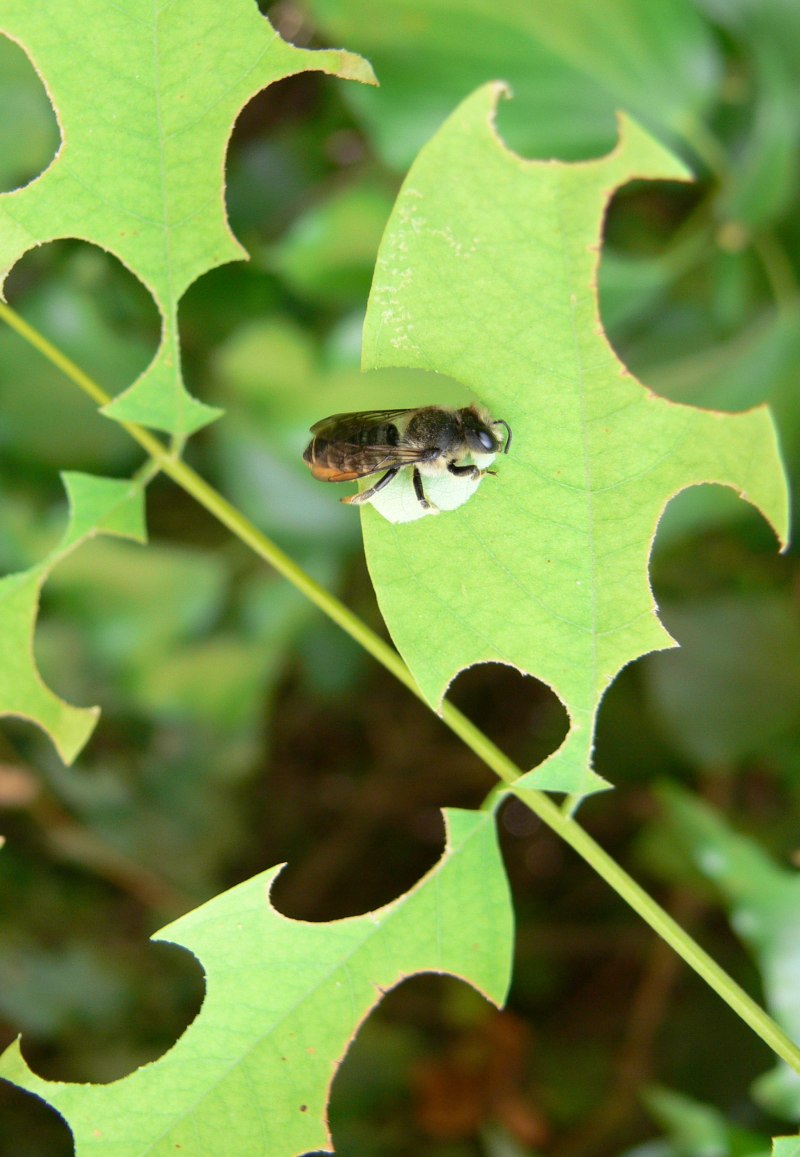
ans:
(464, 471)
(366, 495)
(420, 493)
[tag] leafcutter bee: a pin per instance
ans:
(429, 441)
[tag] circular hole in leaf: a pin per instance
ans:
(29, 136)
(522, 715)
(430, 1070)
(113, 1007)
(37, 1129)
(95, 311)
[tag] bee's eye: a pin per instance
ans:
(486, 440)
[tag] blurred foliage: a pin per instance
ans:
(239, 729)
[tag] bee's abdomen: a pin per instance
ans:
(331, 462)
(324, 452)
(378, 435)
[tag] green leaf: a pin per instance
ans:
(716, 708)
(763, 902)
(487, 273)
(148, 625)
(735, 374)
(329, 252)
(763, 182)
(251, 1075)
(140, 171)
(570, 67)
(786, 1147)
(139, 605)
(699, 1130)
(97, 506)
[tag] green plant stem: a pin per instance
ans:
(705, 146)
(539, 803)
(779, 271)
(663, 924)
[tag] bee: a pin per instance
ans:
(429, 441)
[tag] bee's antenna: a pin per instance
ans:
(502, 422)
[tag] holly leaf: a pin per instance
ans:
(96, 506)
(140, 172)
(487, 273)
(252, 1073)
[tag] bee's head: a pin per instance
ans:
(481, 432)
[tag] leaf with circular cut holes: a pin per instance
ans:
(146, 105)
(252, 1074)
(487, 273)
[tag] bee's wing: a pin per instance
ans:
(346, 460)
(338, 424)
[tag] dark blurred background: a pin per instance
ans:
(241, 729)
